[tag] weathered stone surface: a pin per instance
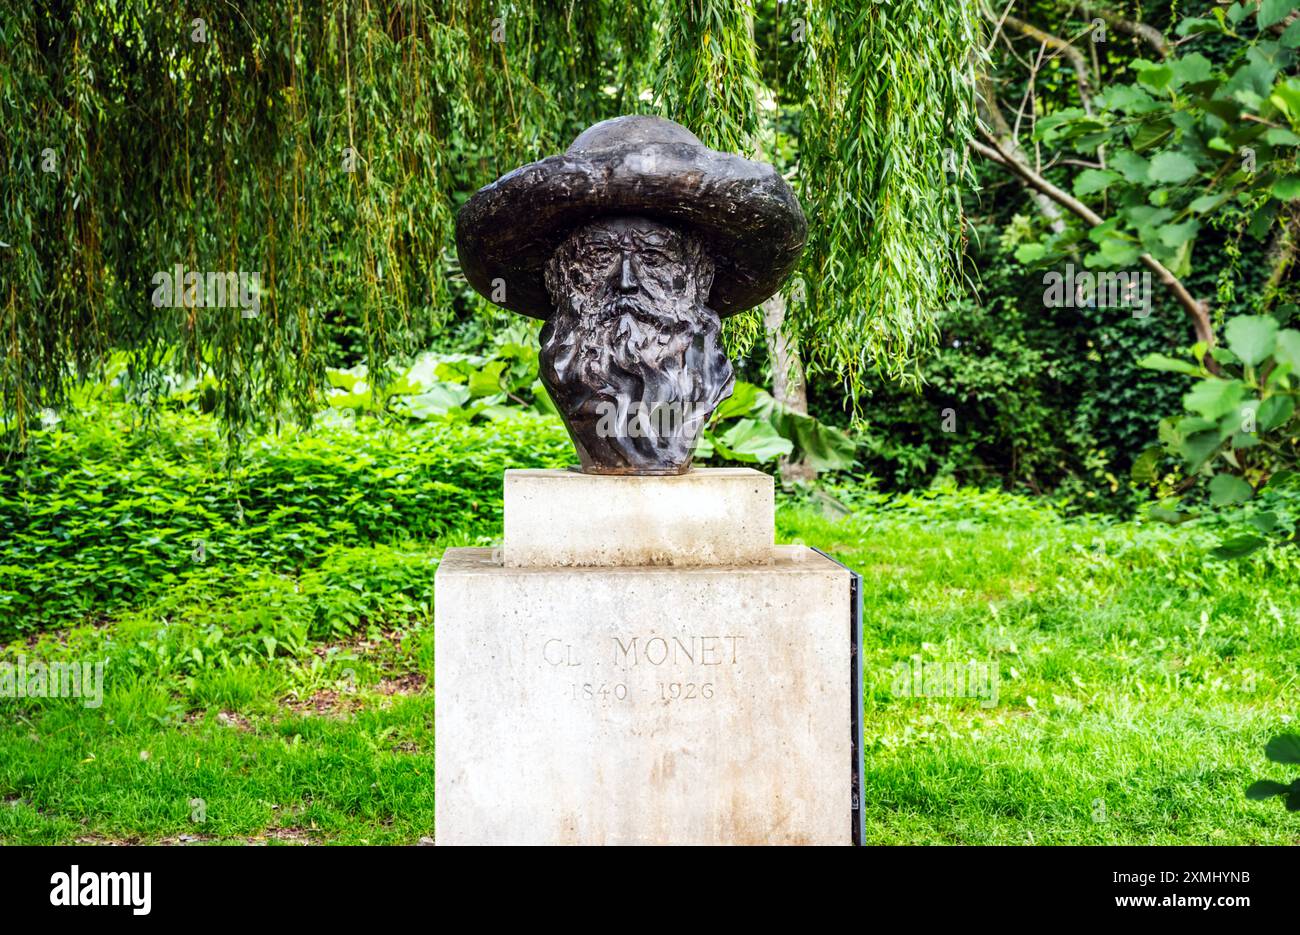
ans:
(646, 705)
(711, 516)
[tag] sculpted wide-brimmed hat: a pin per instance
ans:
(744, 212)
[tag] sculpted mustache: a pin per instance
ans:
(622, 305)
(643, 311)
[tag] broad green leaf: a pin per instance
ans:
(1284, 480)
(1148, 218)
(753, 440)
(458, 368)
(1265, 522)
(1103, 230)
(1128, 98)
(1262, 220)
(359, 398)
(1277, 136)
(739, 403)
(1288, 348)
(824, 447)
(1198, 447)
(1214, 398)
(1252, 337)
(1156, 77)
(1191, 68)
(515, 350)
(1228, 490)
(1206, 203)
(1144, 466)
(1290, 38)
(1168, 364)
(1180, 263)
(498, 411)
(487, 380)
(1167, 432)
(1279, 377)
(1225, 108)
(542, 401)
(1238, 12)
(1241, 425)
(1054, 123)
(1115, 251)
(438, 400)
(1130, 164)
(402, 387)
(1151, 133)
(1091, 181)
(1274, 412)
(345, 379)
(1192, 25)
(1171, 168)
(1238, 546)
(1167, 513)
(1190, 425)
(1175, 235)
(1286, 97)
(1273, 11)
(1287, 188)
(1028, 253)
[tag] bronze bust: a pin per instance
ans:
(632, 246)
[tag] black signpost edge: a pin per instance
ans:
(857, 816)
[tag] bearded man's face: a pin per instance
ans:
(632, 356)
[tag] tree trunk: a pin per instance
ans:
(788, 387)
(991, 113)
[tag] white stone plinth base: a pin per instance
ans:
(710, 516)
(642, 705)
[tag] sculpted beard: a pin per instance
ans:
(636, 375)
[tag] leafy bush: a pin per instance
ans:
(105, 513)
(1239, 431)
(1193, 143)
(1022, 395)
(944, 503)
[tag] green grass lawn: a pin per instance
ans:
(1138, 684)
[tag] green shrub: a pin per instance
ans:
(105, 513)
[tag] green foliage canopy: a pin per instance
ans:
(327, 147)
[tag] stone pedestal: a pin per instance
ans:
(711, 516)
(589, 700)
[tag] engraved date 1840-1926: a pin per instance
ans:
(618, 691)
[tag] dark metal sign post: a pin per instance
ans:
(857, 813)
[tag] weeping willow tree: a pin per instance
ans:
(326, 146)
